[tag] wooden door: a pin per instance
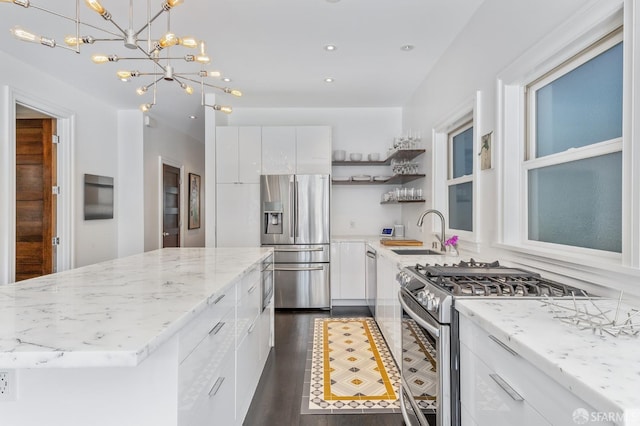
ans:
(35, 203)
(171, 206)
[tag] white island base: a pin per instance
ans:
(198, 363)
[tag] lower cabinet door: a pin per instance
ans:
(216, 406)
(489, 399)
(248, 369)
(266, 333)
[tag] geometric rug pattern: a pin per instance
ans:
(419, 365)
(351, 369)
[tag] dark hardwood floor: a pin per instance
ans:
(278, 398)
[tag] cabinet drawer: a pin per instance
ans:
(215, 401)
(488, 402)
(248, 309)
(555, 402)
(200, 326)
(198, 368)
(248, 369)
(250, 283)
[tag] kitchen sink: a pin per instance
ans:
(417, 252)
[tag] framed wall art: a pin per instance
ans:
(194, 201)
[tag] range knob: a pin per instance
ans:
(436, 303)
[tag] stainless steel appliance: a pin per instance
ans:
(430, 367)
(295, 222)
(370, 273)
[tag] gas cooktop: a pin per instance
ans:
(472, 278)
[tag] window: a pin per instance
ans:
(573, 163)
(460, 178)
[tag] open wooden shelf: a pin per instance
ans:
(394, 180)
(399, 154)
(402, 201)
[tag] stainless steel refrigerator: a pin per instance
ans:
(295, 222)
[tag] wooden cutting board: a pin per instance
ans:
(401, 242)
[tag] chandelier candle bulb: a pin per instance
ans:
(189, 42)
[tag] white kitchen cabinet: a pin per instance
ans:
(301, 150)
(500, 387)
(238, 154)
(278, 150)
(238, 215)
(313, 150)
(388, 311)
(347, 272)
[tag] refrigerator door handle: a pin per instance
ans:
(292, 269)
(297, 250)
(292, 204)
(295, 208)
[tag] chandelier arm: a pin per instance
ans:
(202, 82)
(69, 18)
(144, 27)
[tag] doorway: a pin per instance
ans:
(170, 206)
(36, 194)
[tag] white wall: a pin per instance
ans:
(356, 210)
(177, 149)
(95, 152)
(131, 180)
(499, 33)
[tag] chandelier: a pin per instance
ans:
(159, 51)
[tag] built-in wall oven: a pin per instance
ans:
(430, 362)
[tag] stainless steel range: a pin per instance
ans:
(430, 370)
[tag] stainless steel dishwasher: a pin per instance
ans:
(370, 279)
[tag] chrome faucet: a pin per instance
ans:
(441, 237)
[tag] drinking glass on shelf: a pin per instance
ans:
(418, 193)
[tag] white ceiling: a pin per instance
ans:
(273, 50)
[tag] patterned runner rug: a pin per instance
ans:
(349, 369)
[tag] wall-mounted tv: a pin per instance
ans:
(98, 197)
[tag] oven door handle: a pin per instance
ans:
(421, 321)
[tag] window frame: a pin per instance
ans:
(583, 29)
(453, 181)
(468, 111)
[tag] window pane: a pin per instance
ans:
(582, 107)
(578, 203)
(462, 151)
(461, 206)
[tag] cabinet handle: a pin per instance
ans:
(219, 299)
(301, 269)
(505, 347)
(506, 387)
(216, 329)
(216, 387)
(252, 289)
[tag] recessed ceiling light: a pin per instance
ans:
(329, 80)
(330, 47)
(407, 47)
(193, 117)
(226, 79)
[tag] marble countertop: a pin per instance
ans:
(604, 372)
(401, 260)
(113, 313)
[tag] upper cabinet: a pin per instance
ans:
(278, 150)
(301, 150)
(238, 154)
(313, 150)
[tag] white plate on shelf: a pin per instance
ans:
(340, 178)
(381, 178)
(361, 178)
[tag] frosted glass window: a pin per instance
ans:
(461, 206)
(462, 153)
(578, 203)
(582, 107)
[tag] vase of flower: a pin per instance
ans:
(451, 245)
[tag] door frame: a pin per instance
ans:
(173, 163)
(66, 124)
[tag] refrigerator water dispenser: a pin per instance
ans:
(272, 218)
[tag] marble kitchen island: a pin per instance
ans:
(128, 341)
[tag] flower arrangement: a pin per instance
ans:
(452, 242)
